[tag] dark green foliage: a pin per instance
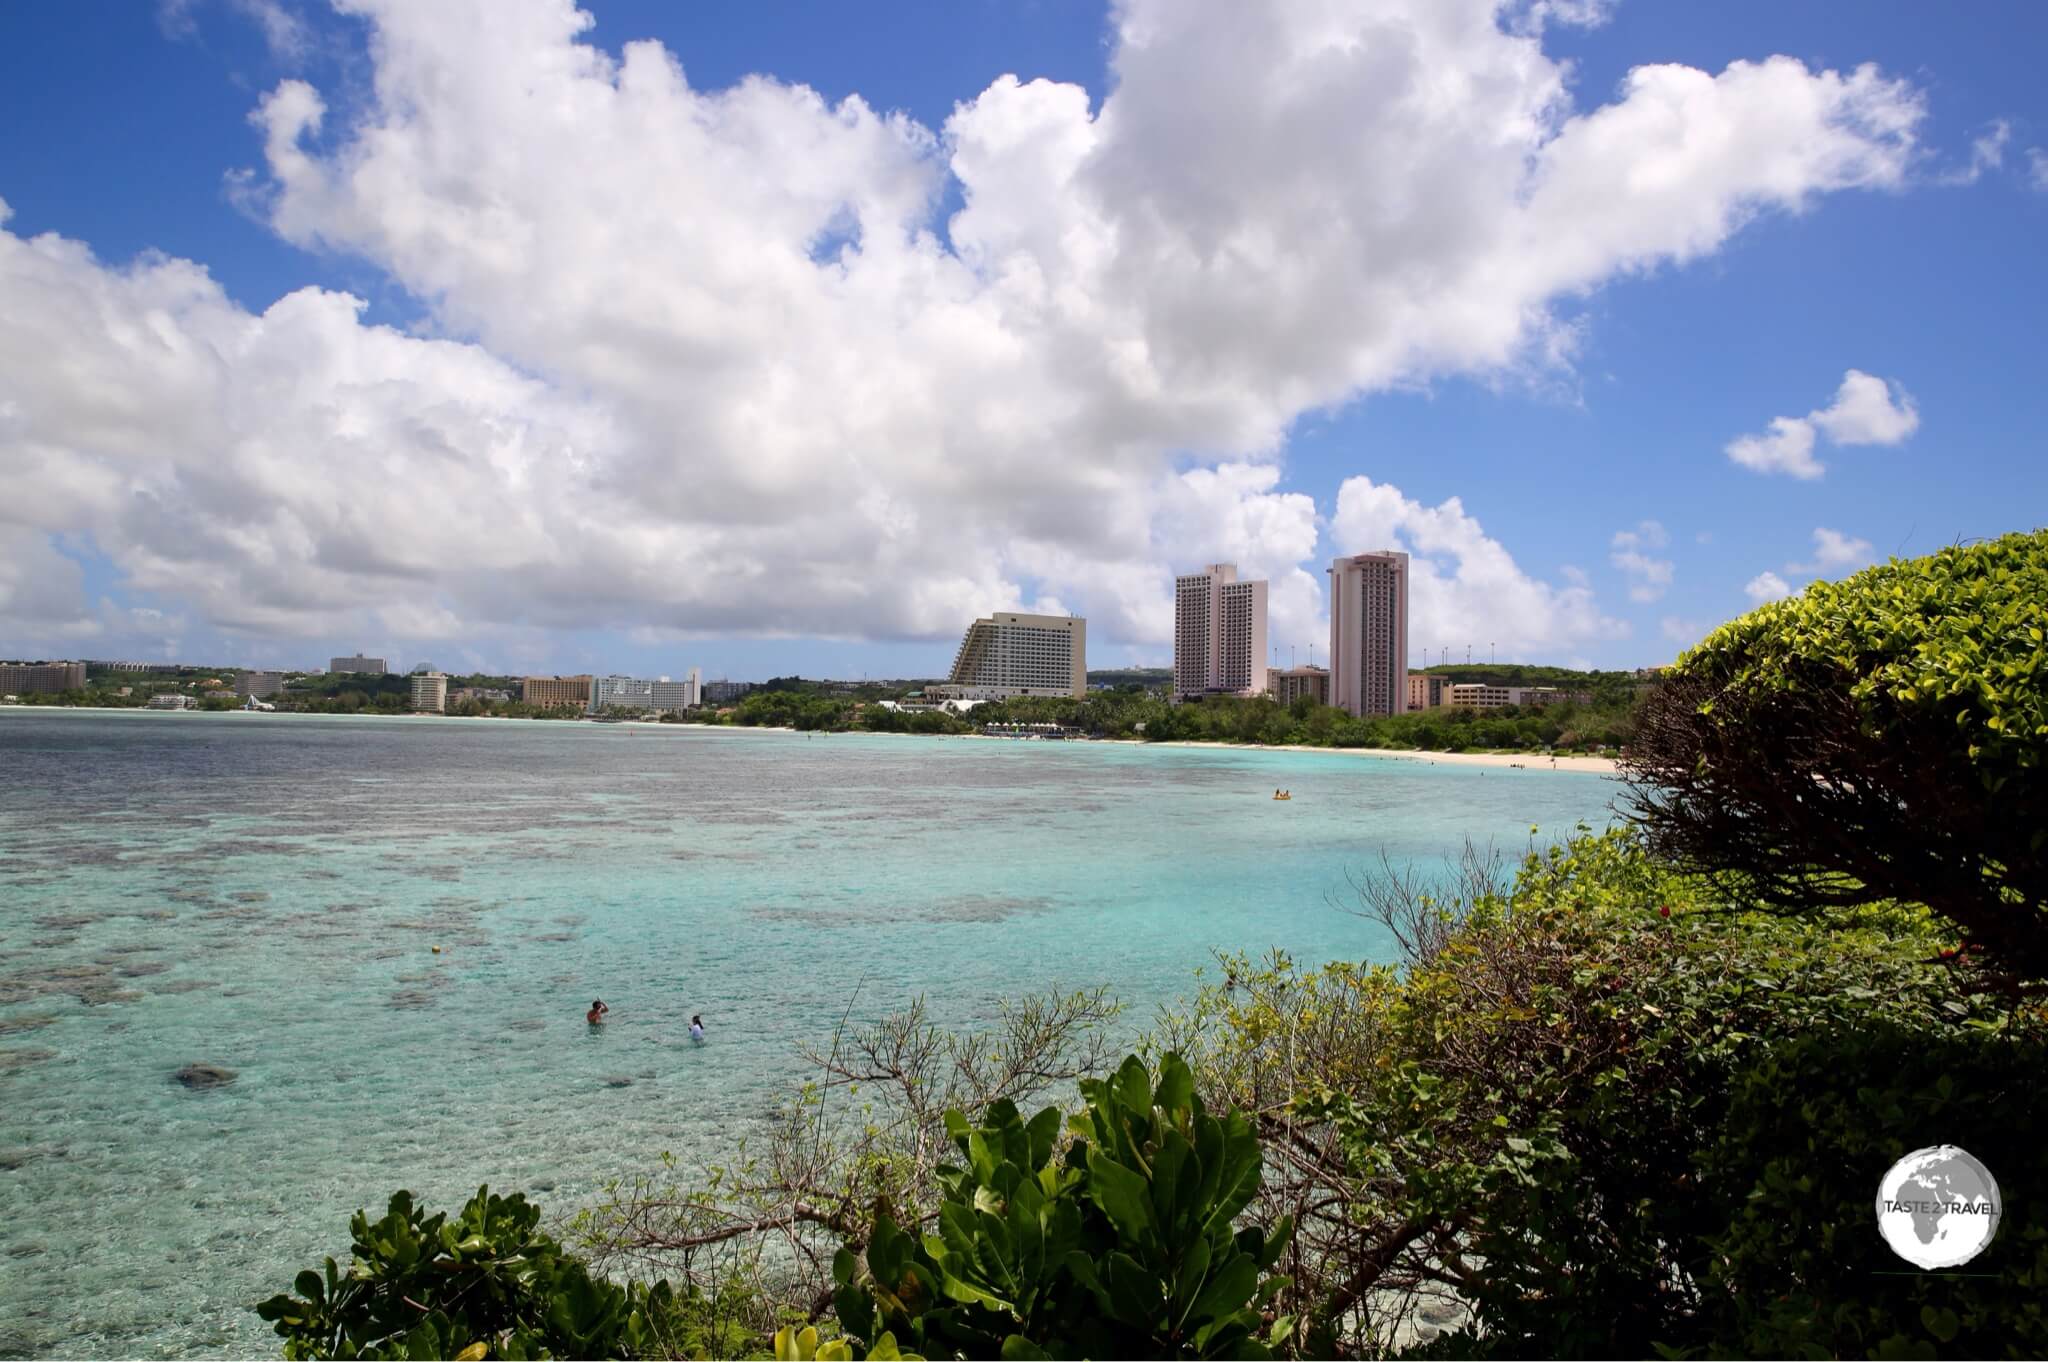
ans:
(1606, 687)
(1613, 1131)
(1121, 1245)
(1796, 1267)
(487, 1284)
(1877, 738)
(793, 709)
(1124, 714)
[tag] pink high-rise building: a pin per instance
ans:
(1219, 633)
(1369, 633)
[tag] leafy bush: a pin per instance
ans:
(1122, 1245)
(487, 1284)
(1876, 738)
(1554, 1133)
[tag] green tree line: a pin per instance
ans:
(1137, 715)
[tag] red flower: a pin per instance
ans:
(1665, 911)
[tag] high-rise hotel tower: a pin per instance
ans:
(1219, 633)
(1369, 633)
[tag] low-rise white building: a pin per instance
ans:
(1551, 695)
(933, 706)
(671, 696)
(172, 701)
(1481, 695)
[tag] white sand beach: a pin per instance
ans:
(1534, 761)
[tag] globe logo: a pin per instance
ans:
(1938, 1207)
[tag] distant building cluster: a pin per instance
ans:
(427, 687)
(1219, 638)
(1219, 648)
(1219, 642)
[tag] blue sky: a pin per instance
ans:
(133, 133)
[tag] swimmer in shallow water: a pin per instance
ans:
(697, 1029)
(596, 1015)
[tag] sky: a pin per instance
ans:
(507, 335)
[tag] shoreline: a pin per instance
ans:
(1531, 761)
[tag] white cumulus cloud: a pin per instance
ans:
(1767, 586)
(1834, 551)
(1786, 448)
(1867, 410)
(711, 361)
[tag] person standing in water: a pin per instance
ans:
(596, 1015)
(697, 1029)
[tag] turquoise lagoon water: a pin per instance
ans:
(263, 892)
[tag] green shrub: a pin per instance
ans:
(487, 1284)
(1122, 1245)
(1582, 1118)
(1876, 738)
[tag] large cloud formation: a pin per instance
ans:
(717, 361)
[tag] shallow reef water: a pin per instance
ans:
(261, 896)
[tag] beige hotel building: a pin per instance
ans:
(550, 691)
(46, 678)
(1369, 633)
(1219, 634)
(1009, 654)
(1288, 684)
